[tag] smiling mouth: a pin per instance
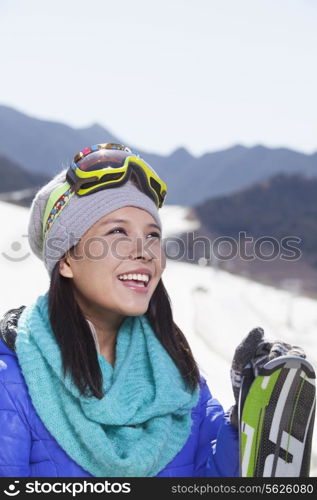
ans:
(135, 282)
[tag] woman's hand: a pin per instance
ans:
(250, 356)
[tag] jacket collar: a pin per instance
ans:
(8, 327)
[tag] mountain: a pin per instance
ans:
(279, 207)
(14, 177)
(278, 217)
(194, 180)
(40, 145)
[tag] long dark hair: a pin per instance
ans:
(78, 349)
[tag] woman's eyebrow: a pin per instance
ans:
(124, 221)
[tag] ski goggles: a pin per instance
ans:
(103, 166)
(108, 165)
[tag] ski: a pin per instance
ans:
(276, 419)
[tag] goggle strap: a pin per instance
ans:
(54, 197)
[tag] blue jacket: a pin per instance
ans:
(27, 449)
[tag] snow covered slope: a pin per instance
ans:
(214, 309)
(23, 276)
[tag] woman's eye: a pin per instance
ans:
(120, 229)
(155, 234)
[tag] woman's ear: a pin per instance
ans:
(65, 267)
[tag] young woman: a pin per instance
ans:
(96, 379)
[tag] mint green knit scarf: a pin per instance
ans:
(140, 424)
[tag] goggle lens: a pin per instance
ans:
(102, 159)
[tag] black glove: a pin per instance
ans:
(250, 356)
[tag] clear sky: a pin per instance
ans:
(204, 74)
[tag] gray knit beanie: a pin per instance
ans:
(78, 215)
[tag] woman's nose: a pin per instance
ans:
(140, 249)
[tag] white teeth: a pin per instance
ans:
(137, 277)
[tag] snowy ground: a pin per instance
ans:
(214, 309)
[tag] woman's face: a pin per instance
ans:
(116, 246)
